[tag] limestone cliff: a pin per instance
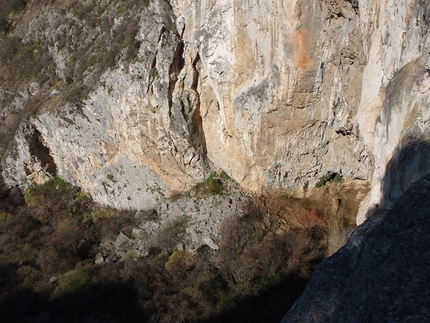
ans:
(277, 94)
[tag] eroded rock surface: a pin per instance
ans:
(188, 222)
(276, 94)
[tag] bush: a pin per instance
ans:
(255, 254)
(330, 177)
(29, 197)
(309, 219)
(72, 281)
(4, 25)
(171, 234)
(179, 261)
(4, 216)
(111, 222)
(214, 184)
(18, 4)
(32, 278)
(50, 250)
(53, 260)
(130, 255)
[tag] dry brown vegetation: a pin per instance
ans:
(49, 238)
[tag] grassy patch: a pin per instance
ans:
(72, 281)
(214, 184)
(329, 178)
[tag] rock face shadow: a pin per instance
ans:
(381, 274)
(408, 164)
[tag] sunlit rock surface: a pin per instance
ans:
(277, 94)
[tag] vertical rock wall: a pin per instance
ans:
(277, 94)
(283, 84)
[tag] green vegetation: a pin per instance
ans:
(329, 178)
(56, 181)
(179, 261)
(225, 177)
(50, 238)
(214, 184)
(72, 281)
(153, 72)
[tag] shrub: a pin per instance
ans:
(81, 196)
(130, 255)
(67, 235)
(4, 216)
(330, 177)
(52, 260)
(32, 278)
(171, 234)
(103, 214)
(4, 25)
(29, 197)
(214, 184)
(57, 181)
(179, 261)
(258, 254)
(110, 222)
(72, 281)
(153, 72)
(309, 219)
(18, 4)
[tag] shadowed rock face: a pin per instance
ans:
(381, 274)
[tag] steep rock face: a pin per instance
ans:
(276, 94)
(137, 136)
(284, 82)
(394, 105)
(378, 275)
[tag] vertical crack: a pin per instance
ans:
(199, 142)
(177, 65)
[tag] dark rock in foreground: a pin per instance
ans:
(382, 274)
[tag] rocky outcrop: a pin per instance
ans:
(378, 275)
(191, 222)
(276, 94)
(137, 136)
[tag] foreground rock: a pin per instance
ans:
(380, 274)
